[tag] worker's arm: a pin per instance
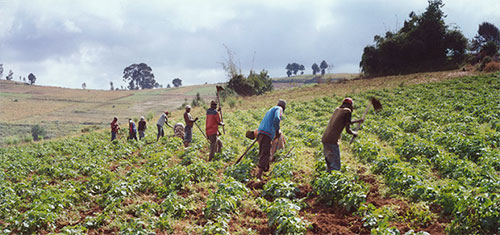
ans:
(347, 123)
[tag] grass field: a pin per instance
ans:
(63, 111)
(427, 162)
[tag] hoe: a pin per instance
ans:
(377, 106)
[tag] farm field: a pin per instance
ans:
(428, 162)
(64, 111)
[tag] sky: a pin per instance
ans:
(68, 42)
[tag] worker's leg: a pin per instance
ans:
(160, 131)
(219, 146)
(332, 156)
(213, 146)
(264, 154)
(113, 136)
(188, 135)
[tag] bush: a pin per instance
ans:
(492, 67)
(37, 131)
(255, 84)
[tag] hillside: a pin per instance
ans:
(299, 80)
(429, 161)
(63, 111)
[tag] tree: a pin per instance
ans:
(84, 86)
(293, 68)
(177, 82)
(31, 78)
(315, 68)
(111, 85)
(168, 85)
(139, 76)
(323, 66)
(10, 75)
(302, 68)
(487, 40)
(1, 70)
(424, 43)
(197, 101)
(37, 131)
(229, 65)
(289, 69)
(255, 84)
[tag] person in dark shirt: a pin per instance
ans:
(188, 134)
(142, 127)
(341, 118)
(114, 128)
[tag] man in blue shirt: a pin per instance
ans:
(269, 130)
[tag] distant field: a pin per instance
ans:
(299, 80)
(62, 111)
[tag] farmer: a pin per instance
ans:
(188, 135)
(277, 143)
(142, 127)
(114, 128)
(341, 118)
(132, 130)
(269, 129)
(163, 119)
(212, 129)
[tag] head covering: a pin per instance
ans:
(188, 106)
(142, 118)
(213, 102)
(282, 103)
(166, 112)
(115, 118)
(347, 101)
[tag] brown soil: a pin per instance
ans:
(336, 220)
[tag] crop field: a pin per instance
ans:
(64, 111)
(428, 162)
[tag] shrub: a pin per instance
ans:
(37, 131)
(492, 66)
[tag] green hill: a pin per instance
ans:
(429, 161)
(63, 111)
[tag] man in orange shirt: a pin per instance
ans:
(212, 129)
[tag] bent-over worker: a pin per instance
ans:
(341, 118)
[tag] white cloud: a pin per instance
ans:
(71, 27)
(66, 43)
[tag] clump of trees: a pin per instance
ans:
(254, 84)
(424, 43)
(294, 68)
(485, 46)
(139, 76)
(10, 76)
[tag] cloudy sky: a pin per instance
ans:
(66, 43)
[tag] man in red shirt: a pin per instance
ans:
(114, 128)
(212, 129)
